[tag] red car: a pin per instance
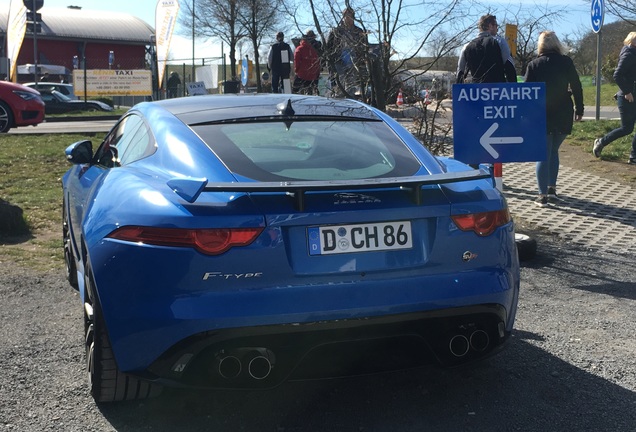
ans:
(19, 106)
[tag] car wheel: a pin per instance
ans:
(526, 247)
(69, 257)
(6, 117)
(106, 382)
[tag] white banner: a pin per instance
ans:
(15, 34)
(165, 21)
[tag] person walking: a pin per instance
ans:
(319, 49)
(487, 57)
(278, 62)
(625, 78)
(346, 52)
(306, 65)
(174, 82)
(557, 71)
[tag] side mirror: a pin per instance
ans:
(80, 152)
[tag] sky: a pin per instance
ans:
(577, 18)
(181, 46)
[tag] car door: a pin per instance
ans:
(51, 104)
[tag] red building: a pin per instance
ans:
(68, 36)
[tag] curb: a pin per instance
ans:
(80, 118)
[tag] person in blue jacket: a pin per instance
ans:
(625, 77)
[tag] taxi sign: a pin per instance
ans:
(499, 122)
(196, 88)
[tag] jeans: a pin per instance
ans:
(277, 82)
(548, 170)
(627, 111)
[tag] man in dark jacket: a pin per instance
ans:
(278, 58)
(487, 57)
(174, 82)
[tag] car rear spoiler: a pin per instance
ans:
(190, 188)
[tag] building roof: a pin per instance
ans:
(89, 25)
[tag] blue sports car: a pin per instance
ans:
(239, 241)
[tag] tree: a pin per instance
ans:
(612, 38)
(257, 18)
(624, 9)
(385, 22)
(218, 20)
(530, 22)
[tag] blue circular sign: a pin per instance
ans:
(597, 14)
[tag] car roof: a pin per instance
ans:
(217, 108)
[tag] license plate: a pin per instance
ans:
(337, 239)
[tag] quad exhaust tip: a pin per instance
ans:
(258, 362)
(230, 367)
(460, 345)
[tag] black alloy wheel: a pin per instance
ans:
(69, 257)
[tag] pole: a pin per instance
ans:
(85, 72)
(35, 43)
(192, 77)
(598, 74)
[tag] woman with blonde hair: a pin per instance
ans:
(557, 71)
(624, 76)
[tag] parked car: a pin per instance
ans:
(56, 103)
(64, 88)
(19, 106)
(237, 241)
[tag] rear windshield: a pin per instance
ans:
(310, 150)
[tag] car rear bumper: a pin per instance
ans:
(264, 357)
(153, 312)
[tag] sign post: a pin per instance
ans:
(34, 6)
(597, 15)
(500, 122)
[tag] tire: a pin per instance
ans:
(526, 247)
(6, 117)
(106, 382)
(69, 257)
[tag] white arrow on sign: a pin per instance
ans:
(487, 140)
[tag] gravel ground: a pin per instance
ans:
(570, 366)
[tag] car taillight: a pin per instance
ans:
(210, 241)
(482, 224)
